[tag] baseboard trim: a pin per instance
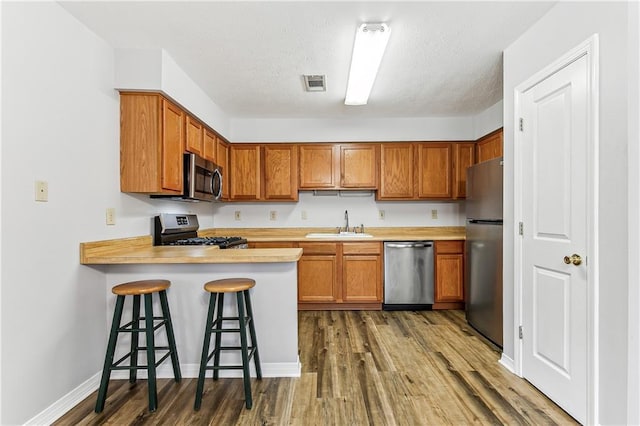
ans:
(189, 371)
(67, 402)
(507, 363)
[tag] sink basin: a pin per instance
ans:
(338, 235)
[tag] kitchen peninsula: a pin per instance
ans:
(188, 268)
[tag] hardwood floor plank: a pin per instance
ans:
(358, 368)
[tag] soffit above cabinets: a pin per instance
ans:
(443, 59)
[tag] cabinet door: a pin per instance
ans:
(489, 146)
(358, 166)
(318, 165)
(280, 165)
(396, 171)
(434, 170)
(449, 271)
(194, 135)
(222, 160)
(244, 165)
(361, 279)
(317, 279)
(463, 157)
(172, 146)
(209, 146)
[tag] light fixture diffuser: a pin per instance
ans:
(368, 49)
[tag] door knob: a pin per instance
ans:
(575, 259)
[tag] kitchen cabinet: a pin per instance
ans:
(396, 171)
(338, 166)
(151, 144)
(209, 146)
(194, 135)
(463, 157)
(434, 170)
(340, 276)
(318, 275)
(280, 172)
(362, 272)
(449, 275)
(222, 160)
(489, 146)
(263, 172)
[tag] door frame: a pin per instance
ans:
(590, 49)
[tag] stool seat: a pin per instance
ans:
(141, 287)
(229, 285)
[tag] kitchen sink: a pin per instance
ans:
(338, 235)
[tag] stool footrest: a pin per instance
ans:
(128, 327)
(116, 365)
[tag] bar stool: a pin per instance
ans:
(218, 288)
(136, 289)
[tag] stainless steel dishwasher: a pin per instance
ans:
(408, 275)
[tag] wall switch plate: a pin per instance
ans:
(381, 214)
(111, 216)
(303, 215)
(237, 215)
(42, 190)
(434, 214)
(273, 215)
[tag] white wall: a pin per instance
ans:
(488, 120)
(60, 123)
(562, 28)
(328, 211)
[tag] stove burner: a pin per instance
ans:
(222, 242)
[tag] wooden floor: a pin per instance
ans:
(358, 368)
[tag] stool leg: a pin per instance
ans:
(151, 354)
(252, 332)
(218, 327)
(205, 351)
(108, 360)
(244, 351)
(170, 336)
(135, 324)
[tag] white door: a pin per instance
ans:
(554, 137)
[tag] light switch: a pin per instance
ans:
(42, 190)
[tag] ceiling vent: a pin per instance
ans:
(314, 83)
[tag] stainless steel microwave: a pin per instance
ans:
(202, 180)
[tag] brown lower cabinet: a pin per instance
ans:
(449, 279)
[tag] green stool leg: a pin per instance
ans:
(135, 325)
(218, 328)
(108, 361)
(151, 355)
(252, 332)
(205, 351)
(168, 325)
(244, 351)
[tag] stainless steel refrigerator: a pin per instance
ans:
(483, 249)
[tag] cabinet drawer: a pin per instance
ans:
(361, 248)
(318, 248)
(272, 244)
(449, 247)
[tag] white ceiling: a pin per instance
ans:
(443, 58)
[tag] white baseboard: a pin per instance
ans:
(67, 402)
(189, 371)
(507, 363)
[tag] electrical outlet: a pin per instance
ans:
(381, 214)
(303, 215)
(434, 214)
(111, 216)
(273, 215)
(42, 190)
(237, 215)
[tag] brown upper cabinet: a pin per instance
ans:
(194, 135)
(463, 157)
(151, 144)
(338, 166)
(209, 145)
(263, 172)
(396, 171)
(222, 160)
(489, 146)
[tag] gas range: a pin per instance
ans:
(172, 229)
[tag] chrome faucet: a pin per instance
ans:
(346, 218)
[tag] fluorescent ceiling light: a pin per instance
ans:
(371, 40)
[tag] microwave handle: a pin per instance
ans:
(216, 175)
